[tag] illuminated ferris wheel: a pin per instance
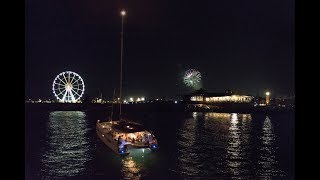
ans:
(68, 87)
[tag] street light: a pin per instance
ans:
(267, 97)
(123, 13)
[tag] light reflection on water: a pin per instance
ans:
(233, 148)
(267, 159)
(68, 146)
(130, 169)
(225, 139)
(199, 145)
(136, 164)
(187, 159)
(237, 150)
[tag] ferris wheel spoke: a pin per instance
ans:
(72, 79)
(65, 78)
(75, 92)
(61, 80)
(75, 81)
(78, 89)
(64, 96)
(68, 96)
(59, 89)
(61, 92)
(72, 96)
(75, 85)
(59, 84)
(68, 77)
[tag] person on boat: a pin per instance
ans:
(139, 138)
(119, 140)
(153, 139)
(145, 139)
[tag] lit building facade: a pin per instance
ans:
(203, 99)
(202, 96)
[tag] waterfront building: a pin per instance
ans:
(228, 100)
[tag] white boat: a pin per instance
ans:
(121, 136)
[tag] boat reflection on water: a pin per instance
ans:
(134, 166)
(130, 169)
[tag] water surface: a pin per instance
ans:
(64, 145)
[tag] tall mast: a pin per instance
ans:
(114, 92)
(123, 13)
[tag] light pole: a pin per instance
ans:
(267, 98)
(123, 13)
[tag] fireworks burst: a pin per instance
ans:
(192, 78)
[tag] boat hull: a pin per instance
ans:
(113, 145)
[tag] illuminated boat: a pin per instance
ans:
(121, 136)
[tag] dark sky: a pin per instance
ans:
(243, 45)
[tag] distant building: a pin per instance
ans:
(278, 102)
(98, 101)
(285, 102)
(203, 99)
(201, 96)
(259, 101)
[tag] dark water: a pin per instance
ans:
(64, 145)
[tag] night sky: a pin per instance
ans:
(243, 45)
